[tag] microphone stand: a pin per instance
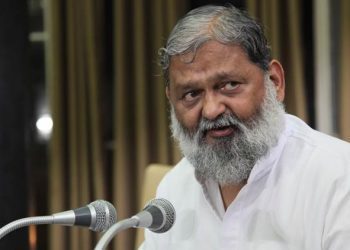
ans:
(114, 230)
(38, 220)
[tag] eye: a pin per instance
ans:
(230, 86)
(190, 96)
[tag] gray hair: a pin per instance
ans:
(225, 24)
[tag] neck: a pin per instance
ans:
(230, 192)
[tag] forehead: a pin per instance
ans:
(209, 51)
(210, 59)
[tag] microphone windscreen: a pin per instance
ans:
(106, 215)
(163, 213)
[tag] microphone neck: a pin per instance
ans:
(65, 218)
(144, 219)
(114, 230)
(80, 217)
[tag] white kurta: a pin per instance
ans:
(297, 197)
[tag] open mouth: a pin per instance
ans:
(220, 131)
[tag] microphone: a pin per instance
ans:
(158, 216)
(98, 216)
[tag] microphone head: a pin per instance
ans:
(104, 215)
(163, 215)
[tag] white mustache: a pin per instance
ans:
(224, 120)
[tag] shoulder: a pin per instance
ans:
(315, 153)
(182, 169)
(181, 187)
(180, 176)
(322, 143)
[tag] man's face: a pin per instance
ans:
(220, 108)
(220, 79)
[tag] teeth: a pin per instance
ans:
(218, 127)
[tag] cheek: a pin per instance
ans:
(188, 118)
(246, 107)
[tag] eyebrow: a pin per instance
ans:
(183, 86)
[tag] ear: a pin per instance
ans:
(276, 73)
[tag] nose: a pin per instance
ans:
(212, 107)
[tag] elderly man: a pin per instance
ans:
(252, 176)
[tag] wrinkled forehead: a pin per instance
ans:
(212, 57)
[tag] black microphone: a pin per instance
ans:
(158, 216)
(98, 216)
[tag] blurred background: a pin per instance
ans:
(83, 110)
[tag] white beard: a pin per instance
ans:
(230, 160)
